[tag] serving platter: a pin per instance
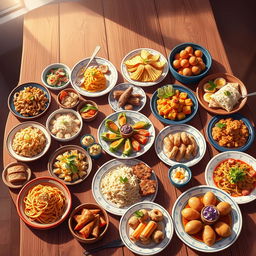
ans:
(132, 117)
(139, 248)
(214, 162)
(103, 170)
(123, 86)
(111, 76)
(135, 52)
(22, 126)
(200, 140)
(224, 243)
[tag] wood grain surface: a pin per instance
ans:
(68, 32)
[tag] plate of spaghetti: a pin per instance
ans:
(235, 173)
(44, 203)
(97, 80)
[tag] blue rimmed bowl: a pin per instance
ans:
(81, 141)
(207, 58)
(20, 88)
(191, 95)
(182, 166)
(248, 124)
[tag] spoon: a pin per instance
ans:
(249, 94)
(80, 77)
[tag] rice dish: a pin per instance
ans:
(121, 186)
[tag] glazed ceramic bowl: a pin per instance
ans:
(178, 185)
(71, 223)
(55, 66)
(82, 104)
(190, 79)
(50, 181)
(68, 90)
(229, 78)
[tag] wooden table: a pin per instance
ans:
(67, 33)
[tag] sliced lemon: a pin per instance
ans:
(207, 96)
(220, 82)
(209, 88)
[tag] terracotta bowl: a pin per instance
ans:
(45, 181)
(229, 78)
(81, 105)
(63, 149)
(72, 223)
(15, 185)
(68, 90)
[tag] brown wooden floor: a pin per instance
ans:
(236, 23)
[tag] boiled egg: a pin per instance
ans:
(208, 88)
(207, 96)
(220, 82)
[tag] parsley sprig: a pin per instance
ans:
(123, 180)
(139, 214)
(236, 174)
(212, 86)
(70, 164)
(220, 125)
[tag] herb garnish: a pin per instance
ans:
(123, 180)
(236, 174)
(139, 214)
(70, 164)
(220, 125)
(88, 107)
(227, 93)
(212, 86)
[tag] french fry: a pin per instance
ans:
(148, 230)
(136, 233)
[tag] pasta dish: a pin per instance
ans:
(29, 142)
(120, 186)
(94, 80)
(44, 204)
(235, 177)
(30, 101)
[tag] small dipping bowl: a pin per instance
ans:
(179, 168)
(67, 90)
(91, 151)
(82, 104)
(87, 140)
(126, 131)
(210, 214)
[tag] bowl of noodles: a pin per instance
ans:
(97, 80)
(28, 141)
(235, 173)
(44, 203)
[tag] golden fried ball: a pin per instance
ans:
(184, 54)
(187, 72)
(198, 53)
(177, 56)
(180, 71)
(176, 64)
(196, 70)
(202, 65)
(193, 61)
(184, 63)
(189, 49)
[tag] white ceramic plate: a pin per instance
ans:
(224, 243)
(132, 117)
(200, 140)
(111, 76)
(133, 53)
(64, 111)
(139, 248)
(136, 90)
(22, 126)
(214, 162)
(96, 191)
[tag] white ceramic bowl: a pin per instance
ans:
(22, 126)
(54, 66)
(214, 162)
(64, 111)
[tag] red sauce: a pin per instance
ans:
(199, 236)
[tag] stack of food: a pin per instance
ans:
(207, 219)
(17, 174)
(148, 226)
(173, 104)
(145, 67)
(180, 146)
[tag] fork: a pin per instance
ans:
(112, 244)
(80, 77)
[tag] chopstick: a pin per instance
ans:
(112, 244)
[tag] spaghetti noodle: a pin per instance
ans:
(94, 80)
(235, 177)
(44, 204)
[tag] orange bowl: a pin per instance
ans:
(50, 181)
(229, 78)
